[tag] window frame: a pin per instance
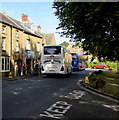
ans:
(17, 45)
(5, 64)
(28, 45)
(17, 33)
(3, 43)
(4, 29)
(38, 46)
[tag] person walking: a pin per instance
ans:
(15, 69)
(36, 69)
(24, 68)
(19, 69)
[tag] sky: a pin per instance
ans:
(40, 13)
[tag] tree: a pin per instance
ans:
(95, 23)
(65, 44)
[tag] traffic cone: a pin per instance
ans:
(10, 75)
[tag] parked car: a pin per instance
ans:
(82, 66)
(101, 65)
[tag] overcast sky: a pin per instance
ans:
(40, 13)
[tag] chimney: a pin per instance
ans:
(25, 18)
(39, 29)
(4, 13)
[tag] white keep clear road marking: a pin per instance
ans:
(75, 94)
(57, 110)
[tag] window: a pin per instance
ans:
(38, 46)
(28, 46)
(3, 43)
(5, 64)
(3, 29)
(52, 50)
(17, 45)
(17, 33)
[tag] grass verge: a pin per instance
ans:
(107, 82)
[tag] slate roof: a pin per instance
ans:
(4, 19)
(15, 23)
(47, 38)
(73, 49)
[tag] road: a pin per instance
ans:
(55, 96)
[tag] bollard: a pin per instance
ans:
(86, 80)
(10, 75)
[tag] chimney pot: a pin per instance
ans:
(25, 18)
(39, 28)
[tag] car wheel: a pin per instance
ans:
(94, 67)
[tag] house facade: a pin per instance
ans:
(84, 55)
(19, 44)
(47, 38)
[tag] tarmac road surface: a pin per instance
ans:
(57, 97)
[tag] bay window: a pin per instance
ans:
(5, 61)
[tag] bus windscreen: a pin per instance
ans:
(74, 56)
(52, 50)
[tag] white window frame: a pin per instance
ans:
(3, 43)
(17, 45)
(17, 33)
(28, 45)
(3, 29)
(38, 46)
(5, 64)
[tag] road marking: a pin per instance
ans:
(57, 110)
(75, 94)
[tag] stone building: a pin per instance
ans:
(47, 38)
(19, 43)
(84, 55)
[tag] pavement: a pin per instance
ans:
(13, 78)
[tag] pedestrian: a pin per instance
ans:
(15, 69)
(19, 69)
(37, 69)
(40, 68)
(24, 68)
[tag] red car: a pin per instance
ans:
(82, 67)
(99, 66)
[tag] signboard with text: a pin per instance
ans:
(29, 54)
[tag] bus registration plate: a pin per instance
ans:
(52, 70)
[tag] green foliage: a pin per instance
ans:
(95, 23)
(78, 44)
(112, 82)
(65, 44)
